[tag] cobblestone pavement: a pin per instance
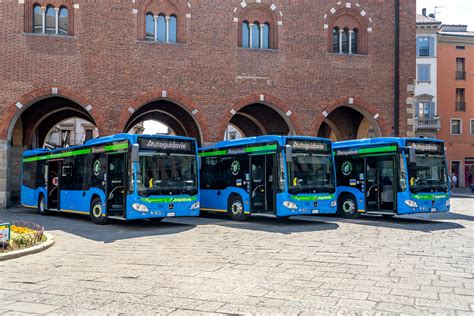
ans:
(314, 265)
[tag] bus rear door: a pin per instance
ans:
(380, 183)
(262, 184)
(116, 185)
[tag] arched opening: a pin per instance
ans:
(347, 122)
(258, 119)
(163, 117)
(49, 122)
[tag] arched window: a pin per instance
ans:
(266, 36)
(63, 22)
(255, 36)
(335, 40)
(50, 20)
(345, 41)
(37, 19)
(161, 37)
(149, 27)
(354, 41)
(245, 34)
(172, 29)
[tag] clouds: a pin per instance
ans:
(449, 11)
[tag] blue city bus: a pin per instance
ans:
(391, 176)
(122, 176)
(273, 175)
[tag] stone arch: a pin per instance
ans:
(362, 117)
(277, 108)
(159, 101)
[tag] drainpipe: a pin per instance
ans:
(396, 106)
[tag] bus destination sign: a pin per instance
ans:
(309, 146)
(426, 147)
(167, 145)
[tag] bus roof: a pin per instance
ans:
(132, 138)
(281, 140)
(381, 141)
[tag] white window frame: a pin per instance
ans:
(418, 73)
(451, 126)
(472, 129)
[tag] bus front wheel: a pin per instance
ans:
(236, 208)
(96, 212)
(348, 207)
(42, 205)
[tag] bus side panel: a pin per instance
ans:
(29, 197)
(356, 193)
(211, 201)
(74, 200)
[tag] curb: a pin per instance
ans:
(28, 251)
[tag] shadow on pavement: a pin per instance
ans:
(80, 225)
(412, 223)
(268, 224)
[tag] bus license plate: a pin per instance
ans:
(171, 214)
(315, 211)
(433, 210)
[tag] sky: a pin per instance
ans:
(450, 11)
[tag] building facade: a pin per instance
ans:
(427, 122)
(456, 99)
(339, 69)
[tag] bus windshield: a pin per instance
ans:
(428, 174)
(167, 174)
(310, 173)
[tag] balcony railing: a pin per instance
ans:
(460, 75)
(460, 106)
(424, 52)
(427, 123)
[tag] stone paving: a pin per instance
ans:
(306, 265)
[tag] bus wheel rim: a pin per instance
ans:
(236, 208)
(41, 206)
(348, 206)
(97, 211)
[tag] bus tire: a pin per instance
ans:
(235, 208)
(42, 206)
(96, 212)
(347, 206)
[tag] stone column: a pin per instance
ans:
(4, 152)
(261, 35)
(341, 33)
(43, 18)
(351, 32)
(57, 21)
(155, 21)
(167, 18)
(251, 35)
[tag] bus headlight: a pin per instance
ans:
(291, 205)
(333, 203)
(140, 207)
(195, 206)
(411, 203)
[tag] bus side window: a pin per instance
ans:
(402, 186)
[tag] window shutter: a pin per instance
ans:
(433, 109)
(432, 46)
(428, 74)
(417, 47)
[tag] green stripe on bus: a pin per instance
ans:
(213, 153)
(429, 196)
(169, 199)
(312, 197)
(373, 150)
(261, 148)
(86, 151)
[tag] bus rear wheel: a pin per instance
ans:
(42, 205)
(96, 212)
(348, 207)
(235, 208)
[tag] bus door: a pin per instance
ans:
(116, 180)
(262, 192)
(53, 172)
(380, 183)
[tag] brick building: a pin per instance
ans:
(326, 68)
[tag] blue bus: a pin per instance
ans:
(123, 176)
(390, 176)
(273, 175)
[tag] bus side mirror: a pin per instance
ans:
(135, 149)
(411, 155)
(289, 152)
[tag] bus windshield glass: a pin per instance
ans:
(428, 173)
(310, 173)
(167, 174)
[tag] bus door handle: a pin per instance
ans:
(83, 194)
(219, 192)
